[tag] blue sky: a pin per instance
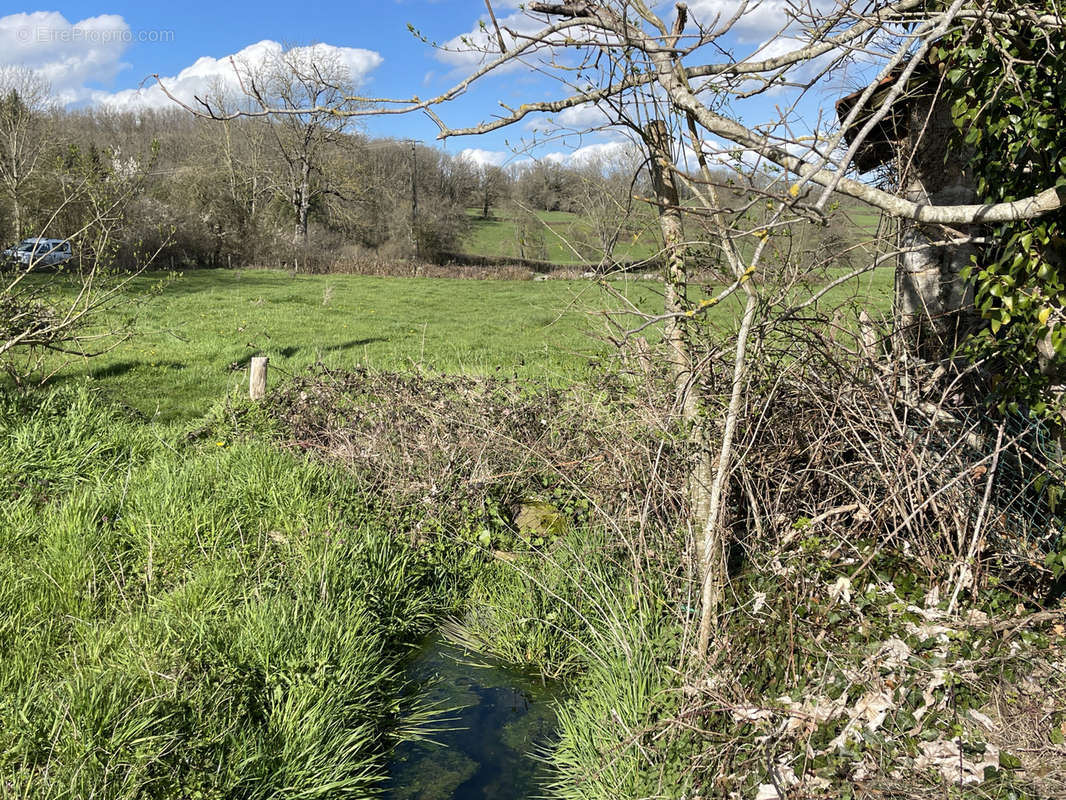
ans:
(101, 51)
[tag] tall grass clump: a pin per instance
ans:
(218, 620)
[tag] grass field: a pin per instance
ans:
(193, 620)
(199, 334)
(196, 337)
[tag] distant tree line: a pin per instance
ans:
(272, 190)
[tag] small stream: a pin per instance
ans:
(484, 750)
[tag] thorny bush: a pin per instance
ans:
(462, 454)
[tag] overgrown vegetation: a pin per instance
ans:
(883, 616)
(199, 614)
(572, 500)
(786, 552)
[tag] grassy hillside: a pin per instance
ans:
(569, 238)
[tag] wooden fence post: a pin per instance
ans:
(257, 377)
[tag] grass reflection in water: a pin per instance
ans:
(485, 749)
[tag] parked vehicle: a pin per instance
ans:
(40, 252)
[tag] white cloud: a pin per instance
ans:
(68, 54)
(591, 153)
(79, 58)
(757, 22)
(717, 154)
(481, 158)
(602, 152)
(623, 150)
(779, 46)
(761, 18)
(206, 73)
(586, 118)
(583, 117)
(800, 72)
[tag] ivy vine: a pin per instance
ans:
(1005, 77)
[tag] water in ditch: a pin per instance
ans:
(483, 750)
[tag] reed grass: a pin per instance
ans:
(218, 620)
(581, 611)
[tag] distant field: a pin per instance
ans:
(570, 238)
(865, 218)
(567, 238)
(198, 336)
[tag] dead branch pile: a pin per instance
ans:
(890, 589)
(851, 448)
(462, 448)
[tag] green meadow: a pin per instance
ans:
(195, 338)
(568, 238)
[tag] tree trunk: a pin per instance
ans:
(678, 334)
(301, 205)
(934, 304)
(676, 280)
(299, 237)
(16, 213)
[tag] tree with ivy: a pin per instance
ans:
(1005, 80)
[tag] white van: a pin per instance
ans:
(40, 252)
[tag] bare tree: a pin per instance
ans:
(605, 199)
(66, 311)
(241, 150)
(24, 104)
(493, 186)
(313, 86)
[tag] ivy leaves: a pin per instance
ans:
(1007, 86)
